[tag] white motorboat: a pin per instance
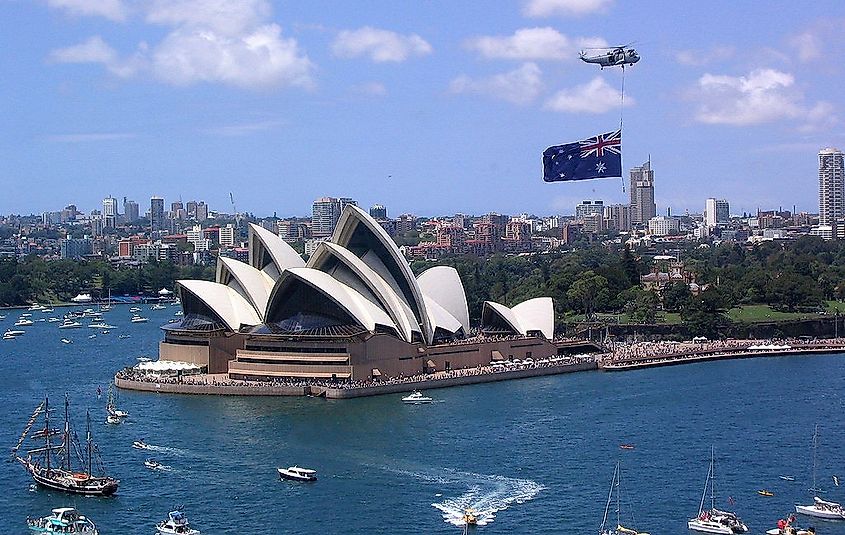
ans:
(123, 336)
(35, 307)
(53, 320)
(786, 527)
(2, 316)
(416, 398)
(66, 341)
(295, 473)
(101, 325)
(615, 483)
(63, 520)
(70, 324)
(820, 508)
(135, 309)
(111, 404)
(157, 307)
(714, 520)
(12, 333)
(138, 319)
(152, 464)
(140, 445)
(112, 419)
(24, 322)
(176, 524)
(9, 337)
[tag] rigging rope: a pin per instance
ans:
(621, 115)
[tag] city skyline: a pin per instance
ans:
(358, 103)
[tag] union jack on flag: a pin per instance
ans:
(596, 157)
(596, 146)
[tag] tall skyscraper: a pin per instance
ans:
(156, 214)
(831, 189)
(130, 210)
(201, 211)
(377, 211)
(325, 213)
(643, 207)
(109, 212)
(716, 212)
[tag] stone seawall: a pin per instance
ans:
(656, 362)
(211, 389)
(347, 393)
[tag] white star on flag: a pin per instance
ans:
(600, 167)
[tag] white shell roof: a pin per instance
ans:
(440, 317)
(389, 299)
(442, 284)
(361, 309)
(532, 315)
(343, 234)
(283, 255)
(537, 315)
(231, 306)
(255, 283)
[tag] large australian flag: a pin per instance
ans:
(596, 157)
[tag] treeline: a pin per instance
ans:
(36, 280)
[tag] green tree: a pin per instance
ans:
(590, 290)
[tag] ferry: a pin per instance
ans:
(295, 473)
(63, 520)
(176, 524)
(416, 398)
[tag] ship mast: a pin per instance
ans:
(67, 434)
(88, 440)
(47, 430)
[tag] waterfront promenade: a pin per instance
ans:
(220, 384)
(623, 357)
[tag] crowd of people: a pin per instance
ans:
(648, 351)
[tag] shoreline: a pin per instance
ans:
(261, 389)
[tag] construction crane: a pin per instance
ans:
(235, 209)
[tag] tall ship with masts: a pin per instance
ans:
(63, 462)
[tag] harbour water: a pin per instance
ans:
(532, 456)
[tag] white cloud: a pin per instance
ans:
(110, 9)
(808, 45)
(697, 58)
(211, 41)
(764, 95)
(379, 45)
(520, 86)
(533, 44)
(596, 96)
(94, 50)
(548, 8)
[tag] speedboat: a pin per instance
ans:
(470, 518)
(140, 445)
(24, 322)
(764, 492)
(176, 523)
(295, 473)
(822, 509)
(9, 337)
(135, 309)
(152, 464)
(112, 419)
(53, 320)
(123, 336)
(157, 307)
(416, 398)
(69, 323)
(787, 478)
(66, 341)
(101, 325)
(13, 333)
(138, 319)
(63, 520)
(785, 527)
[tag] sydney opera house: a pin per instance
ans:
(354, 311)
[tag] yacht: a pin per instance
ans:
(24, 322)
(11, 333)
(605, 529)
(713, 520)
(295, 473)
(176, 523)
(70, 323)
(820, 508)
(138, 319)
(63, 520)
(416, 398)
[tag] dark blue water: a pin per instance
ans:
(539, 451)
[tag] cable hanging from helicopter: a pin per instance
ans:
(617, 56)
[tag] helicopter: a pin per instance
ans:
(617, 56)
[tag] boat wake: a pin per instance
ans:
(486, 495)
(166, 449)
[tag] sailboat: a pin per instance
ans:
(615, 484)
(714, 520)
(820, 508)
(53, 464)
(111, 408)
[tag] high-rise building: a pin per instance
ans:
(227, 236)
(191, 209)
(201, 211)
(109, 212)
(156, 214)
(130, 211)
(377, 212)
(716, 212)
(831, 189)
(589, 207)
(618, 217)
(325, 213)
(643, 207)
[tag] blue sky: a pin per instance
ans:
(428, 107)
